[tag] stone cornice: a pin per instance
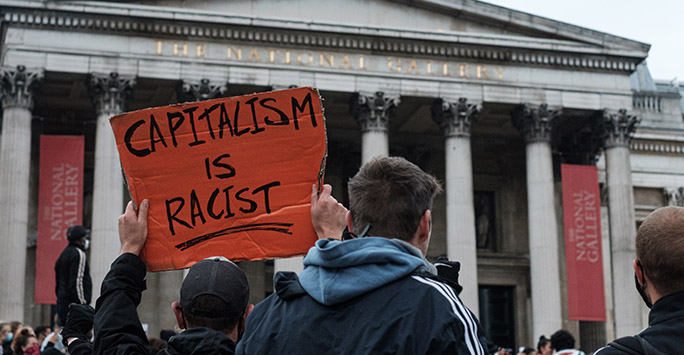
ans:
(199, 25)
(669, 148)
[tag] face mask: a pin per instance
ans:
(640, 288)
(87, 244)
(642, 293)
(9, 337)
(34, 350)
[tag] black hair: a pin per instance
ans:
(542, 343)
(562, 339)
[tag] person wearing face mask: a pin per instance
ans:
(659, 279)
(6, 336)
(72, 273)
(26, 344)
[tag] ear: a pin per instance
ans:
(178, 313)
(638, 272)
(421, 239)
(425, 226)
(248, 310)
(350, 224)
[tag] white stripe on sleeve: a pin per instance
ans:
(79, 276)
(461, 312)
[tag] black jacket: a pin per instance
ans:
(413, 315)
(368, 295)
(73, 277)
(117, 326)
(665, 330)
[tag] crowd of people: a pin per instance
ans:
(366, 288)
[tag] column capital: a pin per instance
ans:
(534, 122)
(618, 127)
(18, 85)
(200, 91)
(373, 112)
(110, 92)
(455, 118)
(674, 196)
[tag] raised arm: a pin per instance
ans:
(117, 326)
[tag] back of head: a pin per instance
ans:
(562, 340)
(660, 248)
(76, 233)
(215, 295)
(391, 194)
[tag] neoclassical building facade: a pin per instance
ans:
(488, 99)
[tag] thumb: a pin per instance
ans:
(142, 212)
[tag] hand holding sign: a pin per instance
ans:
(329, 217)
(133, 228)
(225, 177)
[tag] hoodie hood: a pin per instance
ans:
(337, 271)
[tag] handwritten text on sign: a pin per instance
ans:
(227, 177)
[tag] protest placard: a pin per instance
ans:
(228, 177)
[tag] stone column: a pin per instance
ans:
(455, 119)
(18, 85)
(617, 128)
(109, 94)
(373, 113)
(534, 123)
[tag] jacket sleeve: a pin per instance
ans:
(117, 326)
(80, 347)
(77, 268)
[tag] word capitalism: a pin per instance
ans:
(306, 58)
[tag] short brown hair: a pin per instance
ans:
(391, 194)
(660, 248)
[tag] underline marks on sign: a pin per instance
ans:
(273, 227)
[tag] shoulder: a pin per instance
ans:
(608, 350)
(439, 291)
(447, 308)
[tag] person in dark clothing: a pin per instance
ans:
(213, 301)
(659, 279)
(72, 273)
(371, 294)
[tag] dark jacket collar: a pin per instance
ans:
(666, 308)
(200, 341)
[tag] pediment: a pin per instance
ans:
(456, 17)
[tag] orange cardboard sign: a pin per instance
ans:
(228, 177)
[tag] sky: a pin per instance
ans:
(659, 23)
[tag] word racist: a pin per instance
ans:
(221, 203)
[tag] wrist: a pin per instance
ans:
(127, 249)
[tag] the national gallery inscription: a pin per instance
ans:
(330, 60)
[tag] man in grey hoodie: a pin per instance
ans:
(375, 293)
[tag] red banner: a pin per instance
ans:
(60, 205)
(583, 255)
